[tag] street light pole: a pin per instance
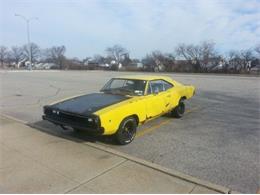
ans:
(27, 20)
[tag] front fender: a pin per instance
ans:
(111, 117)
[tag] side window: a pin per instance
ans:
(157, 86)
(167, 85)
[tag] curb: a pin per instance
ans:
(172, 172)
(160, 168)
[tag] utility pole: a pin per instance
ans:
(27, 20)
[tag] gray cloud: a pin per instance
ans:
(88, 27)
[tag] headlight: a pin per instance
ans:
(90, 120)
(93, 119)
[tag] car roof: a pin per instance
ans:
(144, 77)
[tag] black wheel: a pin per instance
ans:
(127, 131)
(179, 110)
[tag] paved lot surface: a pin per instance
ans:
(35, 162)
(217, 140)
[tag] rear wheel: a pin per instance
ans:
(127, 131)
(179, 110)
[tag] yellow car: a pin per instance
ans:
(123, 104)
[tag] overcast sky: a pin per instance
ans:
(88, 27)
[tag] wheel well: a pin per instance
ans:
(183, 98)
(136, 118)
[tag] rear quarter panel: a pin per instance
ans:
(186, 91)
(189, 91)
(181, 91)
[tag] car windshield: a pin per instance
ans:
(125, 87)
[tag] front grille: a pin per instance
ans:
(71, 118)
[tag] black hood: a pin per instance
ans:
(88, 104)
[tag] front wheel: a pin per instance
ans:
(179, 110)
(127, 131)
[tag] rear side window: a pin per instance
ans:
(157, 86)
(167, 85)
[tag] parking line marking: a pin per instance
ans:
(193, 109)
(148, 130)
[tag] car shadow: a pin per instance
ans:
(78, 136)
(84, 136)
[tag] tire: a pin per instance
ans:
(179, 110)
(127, 131)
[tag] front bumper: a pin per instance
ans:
(87, 123)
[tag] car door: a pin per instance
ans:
(167, 95)
(157, 99)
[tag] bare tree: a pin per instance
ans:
(3, 54)
(116, 52)
(153, 61)
(240, 60)
(208, 54)
(17, 54)
(235, 61)
(57, 55)
(257, 50)
(35, 52)
(149, 62)
(158, 61)
(45, 55)
(164, 61)
(247, 58)
(168, 61)
(198, 55)
(191, 53)
(99, 59)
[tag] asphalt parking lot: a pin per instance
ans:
(217, 140)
